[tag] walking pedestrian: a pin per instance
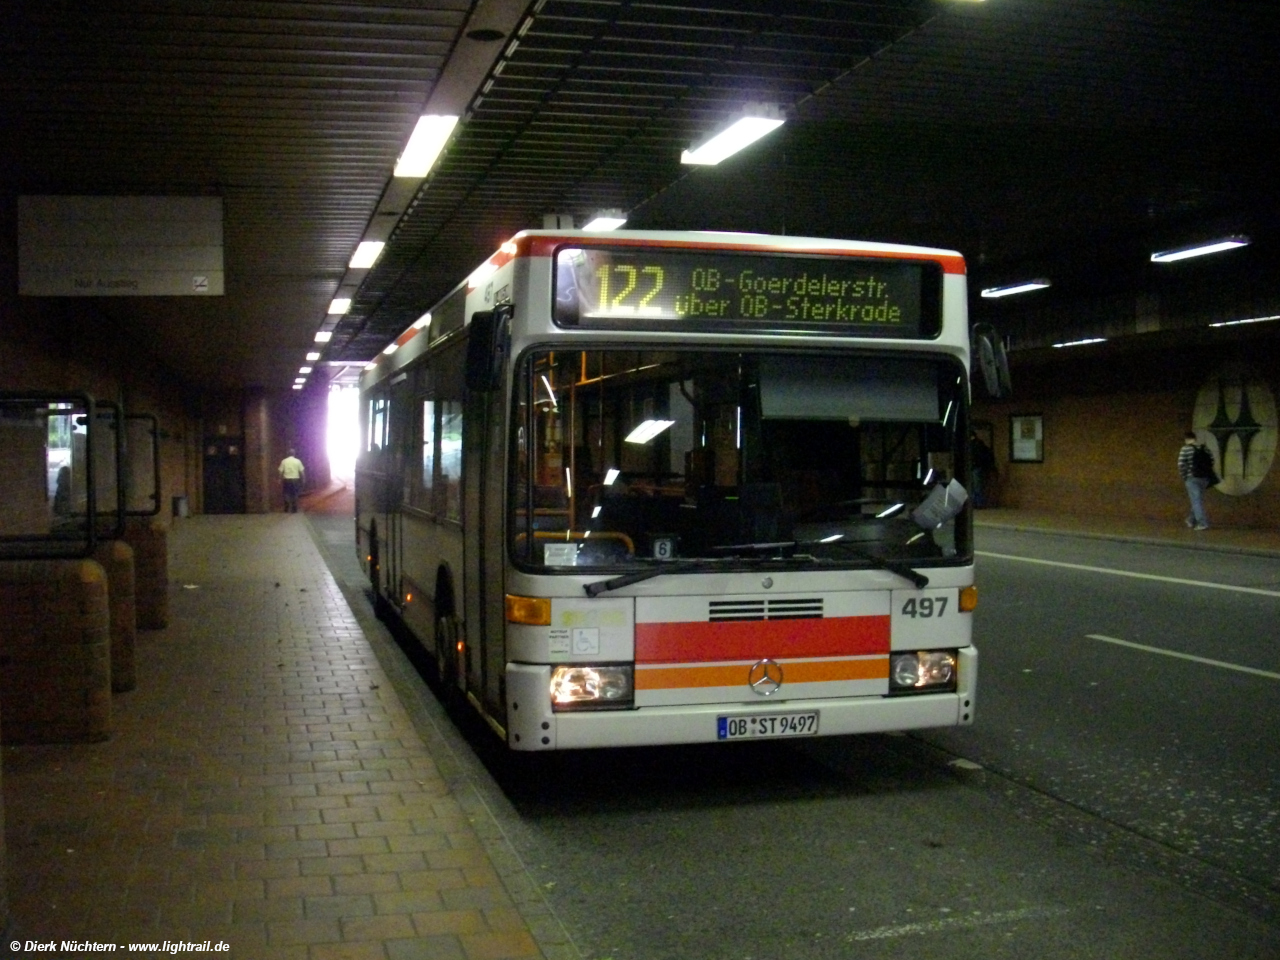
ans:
(1196, 468)
(292, 473)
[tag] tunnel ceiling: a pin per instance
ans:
(1063, 136)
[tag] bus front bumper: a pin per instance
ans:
(533, 725)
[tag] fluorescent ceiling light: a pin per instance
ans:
(425, 144)
(1236, 323)
(324, 336)
(297, 386)
(304, 370)
(1010, 289)
(340, 305)
(758, 120)
(1200, 249)
(391, 348)
(1081, 343)
(611, 475)
(606, 220)
(647, 431)
(366, 254)
(313, 356)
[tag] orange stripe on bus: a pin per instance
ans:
(734, 675)
(752, 639)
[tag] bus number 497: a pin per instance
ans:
(924, 607)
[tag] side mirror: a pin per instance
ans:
(990, 363)
(487, 344)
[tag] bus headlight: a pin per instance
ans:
(922, 671)
(594, 687)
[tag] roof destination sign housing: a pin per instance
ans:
(659, 288)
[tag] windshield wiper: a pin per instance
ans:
(600, 586)
(733, 551)
(901, 567)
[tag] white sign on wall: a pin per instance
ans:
(120, 246)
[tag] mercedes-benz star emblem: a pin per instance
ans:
(765, 677)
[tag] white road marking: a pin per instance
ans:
(1207, 584)
(957, 923)
(1185, 656)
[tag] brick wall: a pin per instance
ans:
(1113, 423)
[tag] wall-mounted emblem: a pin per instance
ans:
(1236, 415)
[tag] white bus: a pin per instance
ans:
(657, 487)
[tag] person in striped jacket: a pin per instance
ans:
(1196, 477)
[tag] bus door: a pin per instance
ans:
(399, 452)
(483, 476)
(371, 487)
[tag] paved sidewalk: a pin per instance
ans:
(263, 786)
(1133, 529)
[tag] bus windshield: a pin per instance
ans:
(626, 459)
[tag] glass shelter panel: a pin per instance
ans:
(49, 508)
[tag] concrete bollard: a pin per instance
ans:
(116, 558)
(55, 652)
(149, 537)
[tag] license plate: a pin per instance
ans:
(751, 726)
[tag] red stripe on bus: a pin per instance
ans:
(536, 246)
(700, 642)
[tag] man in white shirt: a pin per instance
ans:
(292, 473)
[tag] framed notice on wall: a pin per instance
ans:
(1026, 438)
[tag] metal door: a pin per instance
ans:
(224, 475)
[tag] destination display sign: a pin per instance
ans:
(644, 288)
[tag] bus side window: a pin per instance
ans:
(451, 457)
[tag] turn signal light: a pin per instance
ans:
(968, 599)
(532, 611)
